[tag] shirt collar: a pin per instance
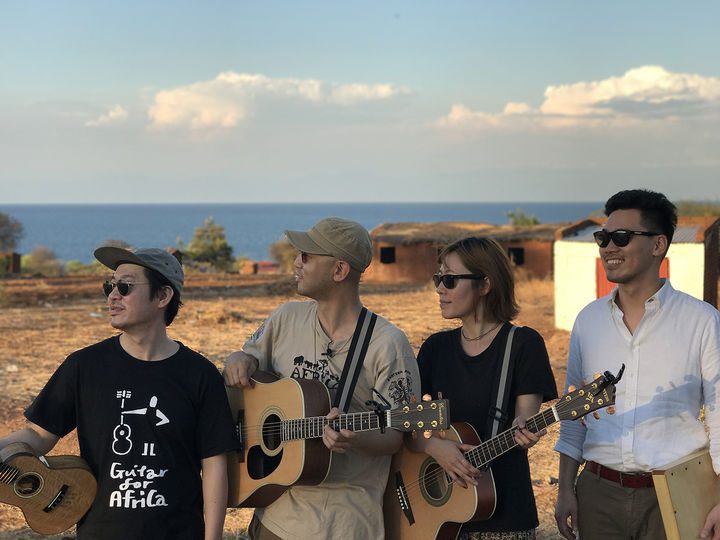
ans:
(657, 300)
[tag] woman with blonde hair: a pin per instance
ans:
(475, 285)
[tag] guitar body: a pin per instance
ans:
(266, 466)
(436, 508)
(53, 498)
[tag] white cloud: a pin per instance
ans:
(643, 94)
(229, 98)
(116, 115)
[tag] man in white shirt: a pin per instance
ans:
(670, 345)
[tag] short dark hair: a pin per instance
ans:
(658, 213)
(157, 282)
(484, 256)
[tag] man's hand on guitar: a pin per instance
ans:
(449, 455)
(711, 529)
(524, 437)
(239, 367)
(338, 441)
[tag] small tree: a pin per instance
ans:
(11, 230)
(41, 261)
(209, 245)
(284, 253)
(521, 219)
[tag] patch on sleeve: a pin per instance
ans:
(400, 388)
(259, 332)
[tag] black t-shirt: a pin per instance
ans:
(470, 383)
(143, 428)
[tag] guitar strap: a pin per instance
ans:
(354, 359)
(498, 413)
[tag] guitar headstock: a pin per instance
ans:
(598, 394)
(421, 416)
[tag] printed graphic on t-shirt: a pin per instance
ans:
(135, 481)
(400, 387)
(317, 370)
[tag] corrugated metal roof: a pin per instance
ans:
(683, 235)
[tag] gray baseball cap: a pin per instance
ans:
(340, 238)
(156, 259)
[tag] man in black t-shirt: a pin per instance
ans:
(151, 415)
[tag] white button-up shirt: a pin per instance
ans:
(672, 369)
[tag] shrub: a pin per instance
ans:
(284, 253)
(698, 208)
(41, 261)
(76, 267)
(208, 245)
(521, 219)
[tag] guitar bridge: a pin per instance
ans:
(401, 493)
(57, 499)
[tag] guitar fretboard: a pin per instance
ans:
(8, 474)
(312, 428)
(485, 452)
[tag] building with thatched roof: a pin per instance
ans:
(408, 252)
(691, 264)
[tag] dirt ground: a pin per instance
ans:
(42, 320)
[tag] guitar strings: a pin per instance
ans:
(416, 486)
(359, 421)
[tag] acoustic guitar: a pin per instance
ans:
(421, 501)
(280, 422)
(53, 492)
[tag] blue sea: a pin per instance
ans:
(74, 231)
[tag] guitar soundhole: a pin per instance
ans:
(261, 465)
(271, 432)
(434, 485)
(28, 485)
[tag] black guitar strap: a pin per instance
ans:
(354, 359)
(498, 413)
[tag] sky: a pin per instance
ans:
(181, 102)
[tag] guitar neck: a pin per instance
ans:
(485, 452)
(312, 428)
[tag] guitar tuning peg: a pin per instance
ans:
(610, 410)
(412, 399)
(572, 388)
(596, 375)
(427, 433)
(596, 415)
(413, 434)
(439, 395)
(582, 421)
(441, 433)
(427, 397)
(582, 382)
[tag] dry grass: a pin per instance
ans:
(37, 334)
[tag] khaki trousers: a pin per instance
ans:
(257, 531)
(608, 511)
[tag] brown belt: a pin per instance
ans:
(628, 480)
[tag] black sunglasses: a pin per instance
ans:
(620, 238)
(123, 286)
(450, 280)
